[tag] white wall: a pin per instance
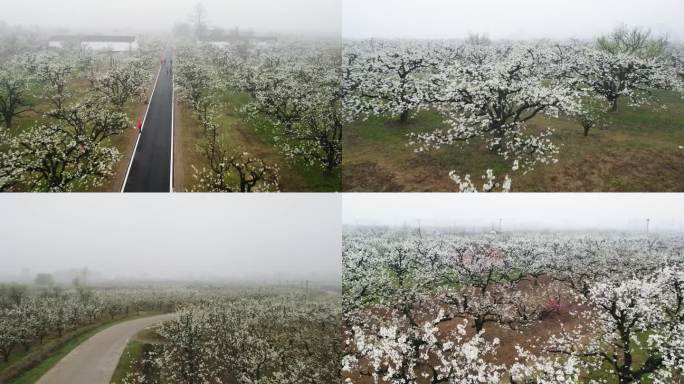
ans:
(219, 44)
(109, 46)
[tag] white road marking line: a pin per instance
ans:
(173, 103)
(135, 149)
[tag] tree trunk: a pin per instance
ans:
(625, 373)
(404, 117)
(330, 160)
(479, 324)
(614, 104)
(625, 378)
(498, 133)
(586, 131)
(8, 120)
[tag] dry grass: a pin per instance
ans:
(238, 134)
(638, 151)
(187, 136)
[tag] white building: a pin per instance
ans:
(96, 43)
(218, 43)
(223, 39)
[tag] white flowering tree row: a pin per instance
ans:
(295, 88)
(228, 169)
(418, 307)
(490, 92)
(267, 337)
(28, 315)
(70, 147)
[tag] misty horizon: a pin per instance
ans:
(173, 236)
(294, 17)
(519, 228)
(505, 20)
(69, 275)
(356, 19)
(518, 212)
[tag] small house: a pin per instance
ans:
(110, 43)
(222, 39)
(97, 43)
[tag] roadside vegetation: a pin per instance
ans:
(68, 115)
(219, 334)
(260, 118)
(41, 323)
(47, 355)
(232, 336)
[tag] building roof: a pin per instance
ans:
(65, 38)
(110, 39)
(218, 35)
(231, 39)
(94, 38)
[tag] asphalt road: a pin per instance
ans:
(94, 361)
(150, 170)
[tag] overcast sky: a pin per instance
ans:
(297, 16)
(172, 236)
(515, 19)
(529, 210)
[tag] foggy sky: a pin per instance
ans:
(321, 17)
(537, 211)
(172, 236)
(508, 19)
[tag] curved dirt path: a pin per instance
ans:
(94, 361)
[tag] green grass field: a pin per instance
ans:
(255, 137)
(637, 151)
